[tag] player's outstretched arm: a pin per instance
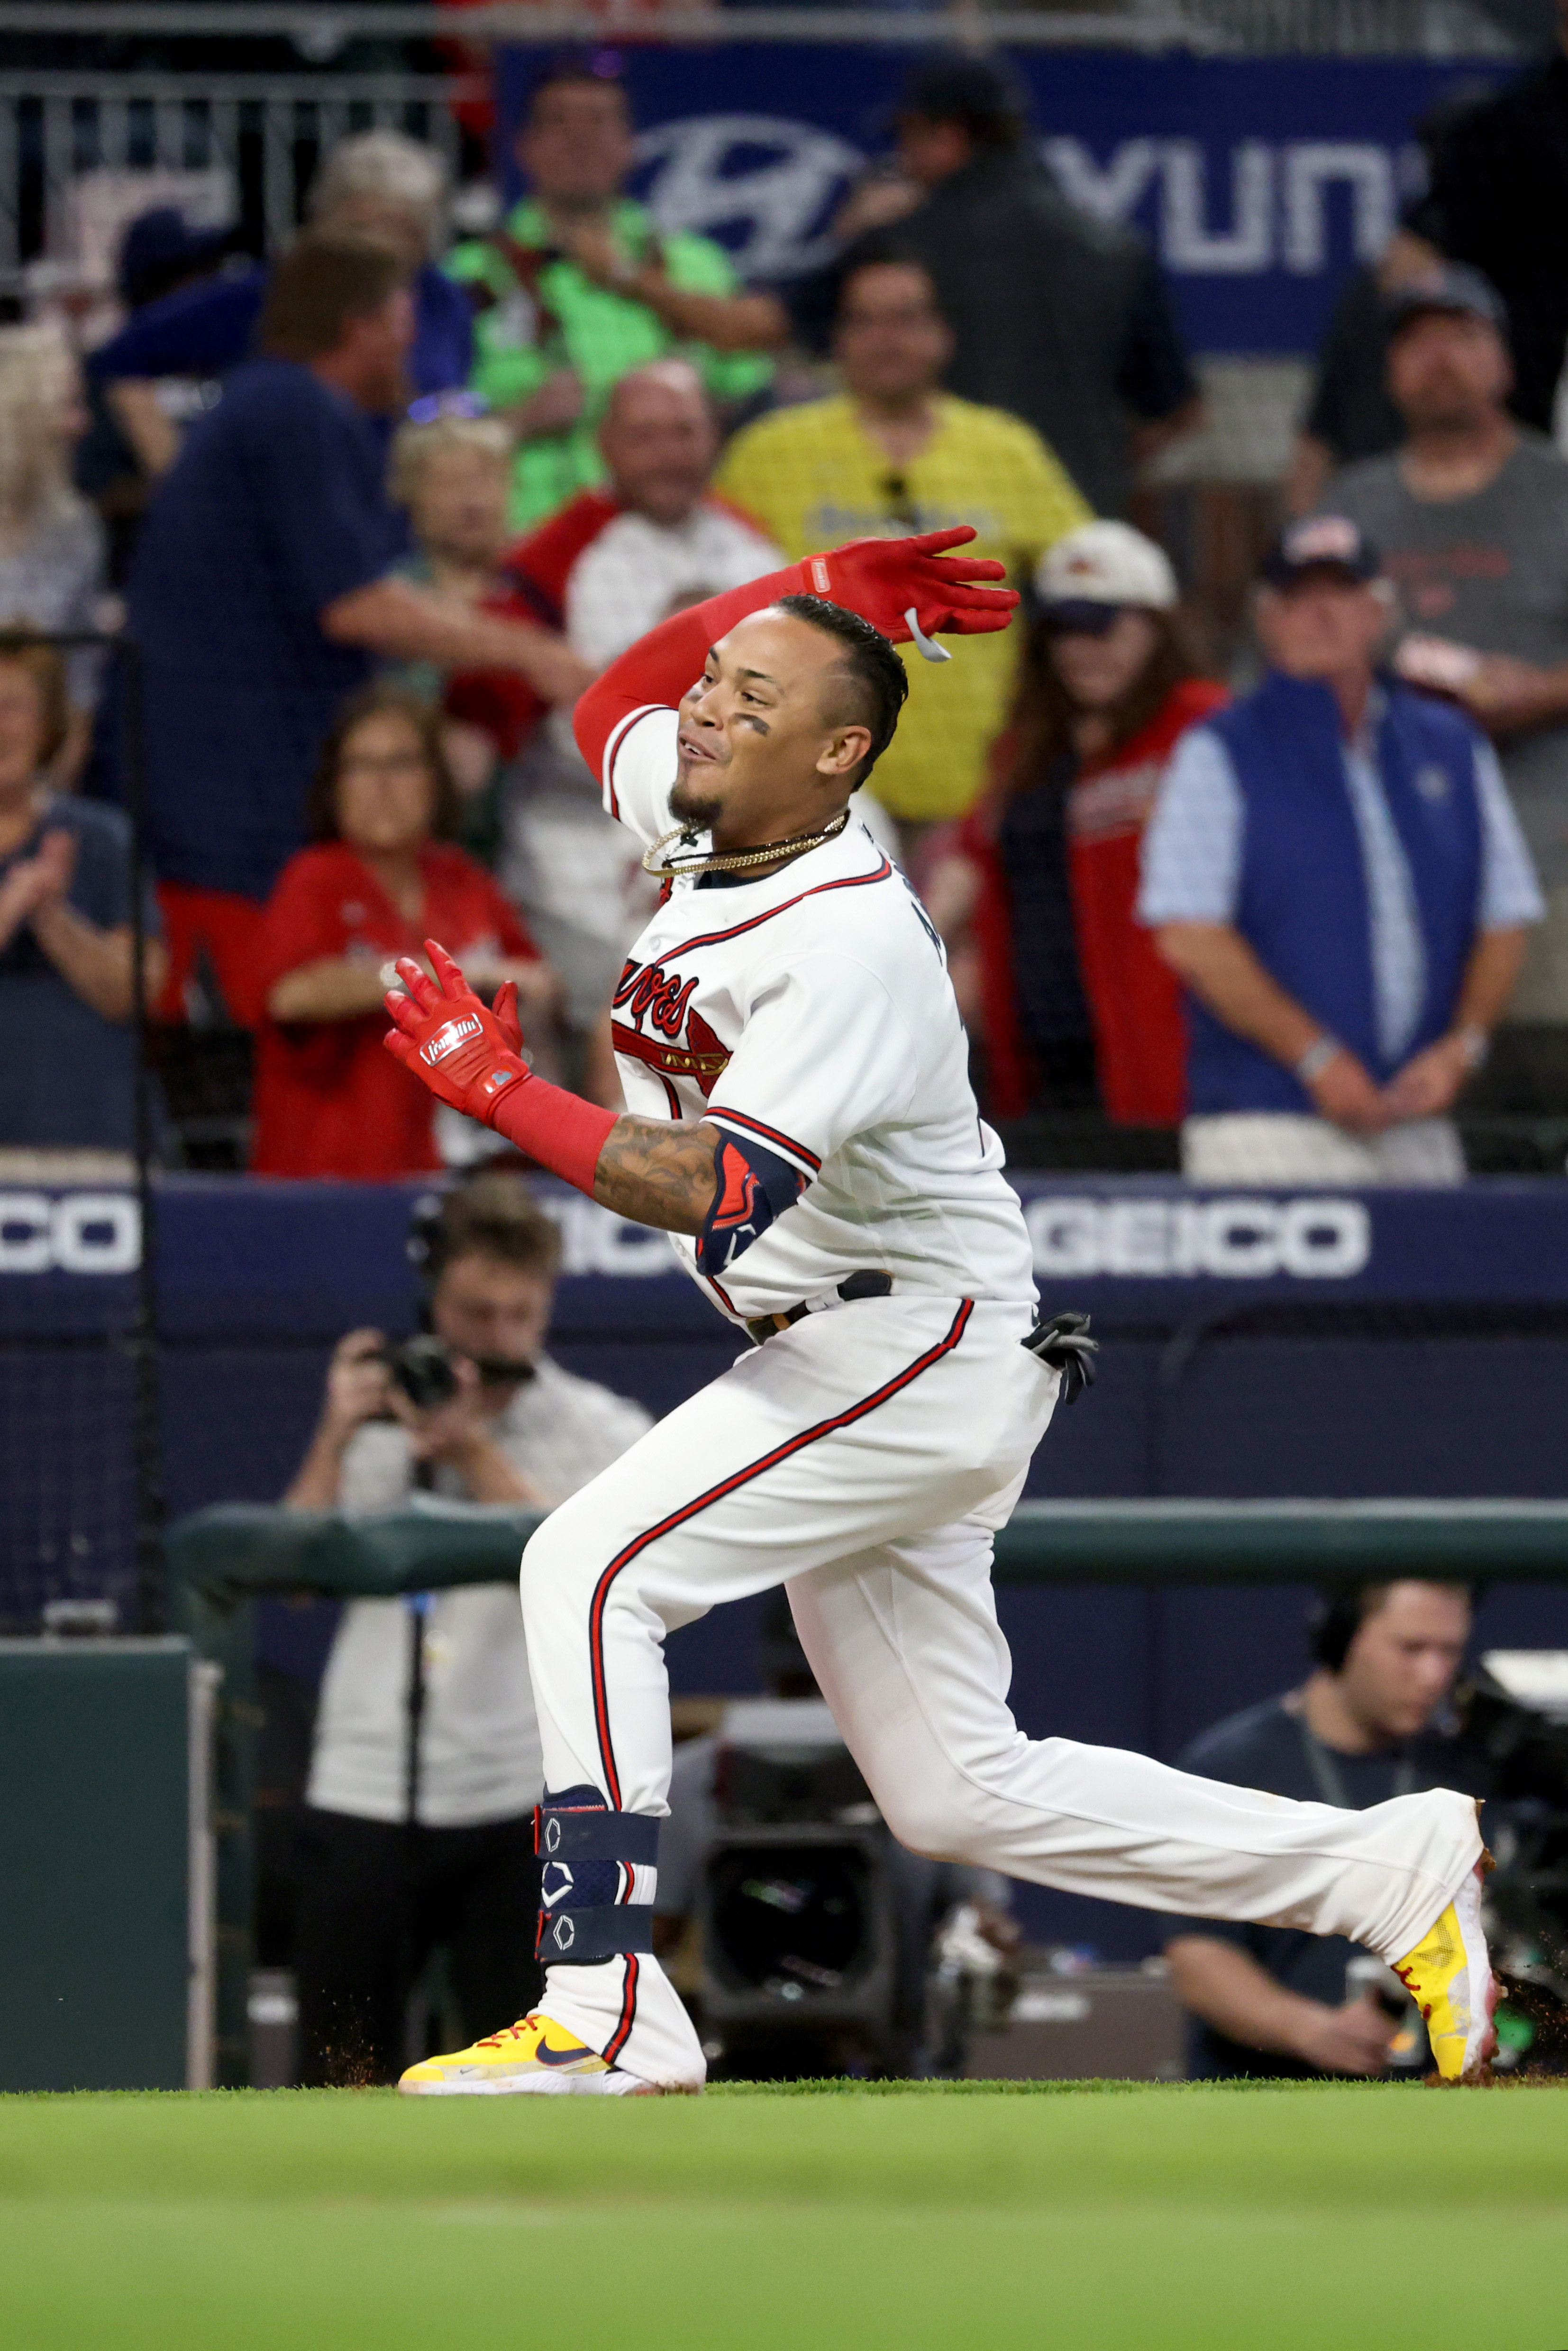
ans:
(888, 581)
(657, 1174)
(472, 1057)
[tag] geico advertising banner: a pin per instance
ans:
(294, 1258)
(1259, 182)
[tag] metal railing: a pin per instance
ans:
(265, 133)
(1319, 27)
(265, 130)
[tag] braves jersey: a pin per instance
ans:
(808, 1015)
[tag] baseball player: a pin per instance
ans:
(802, 1124)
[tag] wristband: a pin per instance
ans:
(1316, 1059)
(559, 1131)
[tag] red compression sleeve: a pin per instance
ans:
(558, 1130)
(659, 667)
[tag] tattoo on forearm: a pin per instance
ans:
(658, 1174)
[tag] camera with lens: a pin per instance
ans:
(422, 1368)
(1521, 1734)
(799, 1937)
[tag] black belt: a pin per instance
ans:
(853, 1286)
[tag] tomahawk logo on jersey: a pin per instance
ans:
(809, 1015)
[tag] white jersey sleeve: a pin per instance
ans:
(639, 771)
(823, 1056)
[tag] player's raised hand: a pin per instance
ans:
(464, 1052)
(913, 587)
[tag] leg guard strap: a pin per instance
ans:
(568, 1828)
(589, 1857)
(600, 1932)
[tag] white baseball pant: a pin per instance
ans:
(865, 1457)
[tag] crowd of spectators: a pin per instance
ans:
(382, 506)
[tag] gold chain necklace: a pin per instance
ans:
(736, 860)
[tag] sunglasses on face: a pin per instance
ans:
(1080, 618)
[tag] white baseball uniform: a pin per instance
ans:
(865, 1454)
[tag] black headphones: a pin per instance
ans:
(1337, 1617)
(425, 1245)
(1340, 1612)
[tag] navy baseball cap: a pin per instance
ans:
(1452, 287)
(161, 247)
(952, 87)
(1320, 542)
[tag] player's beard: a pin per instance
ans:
(694, 808)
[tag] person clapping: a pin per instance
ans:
(67, 1078)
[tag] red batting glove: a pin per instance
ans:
(472, 1056)
(449, 1038)
(884, 578)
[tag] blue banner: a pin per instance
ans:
(242, 1258)
(1260, 182)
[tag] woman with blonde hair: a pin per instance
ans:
(451, 473)
(52, 549)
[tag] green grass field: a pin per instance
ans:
(1358, 2218)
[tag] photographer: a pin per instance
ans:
(1368, 1723)
(417, 1828)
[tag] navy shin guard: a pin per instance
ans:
(588, 1857)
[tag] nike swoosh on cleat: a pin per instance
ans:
(546, 2056)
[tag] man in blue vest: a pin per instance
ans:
(1335, 869)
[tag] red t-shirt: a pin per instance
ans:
(1133, 997)
(330, 1099)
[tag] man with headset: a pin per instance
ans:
(417, 1828)
(1367, 1724)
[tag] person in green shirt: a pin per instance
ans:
(579, 287)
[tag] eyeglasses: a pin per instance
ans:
(900, 501)
(383, 763)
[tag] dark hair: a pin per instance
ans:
(375, 702)
(870, 663)
(45, 664)
(325, 280)
(1040, 722)
(494, 1215)
(599, 68)
(1342, 1609)
(883, 252)
(982, 94)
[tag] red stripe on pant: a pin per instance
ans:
(715, 1494)
(617, 2040)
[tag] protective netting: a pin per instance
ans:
(67, 1481)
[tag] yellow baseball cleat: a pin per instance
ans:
(536, 2054)
(1449, 1976)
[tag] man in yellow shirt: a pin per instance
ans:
(889, 454)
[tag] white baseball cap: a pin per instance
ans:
(1106, 563)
